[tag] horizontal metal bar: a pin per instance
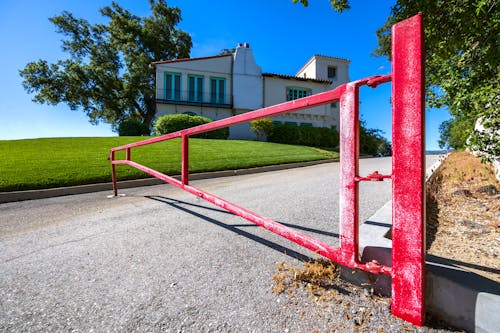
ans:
(304, 240)
(148, 141)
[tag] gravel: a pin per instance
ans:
(161, 260)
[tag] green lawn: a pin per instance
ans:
(45, 163)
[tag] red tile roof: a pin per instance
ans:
(298, 78)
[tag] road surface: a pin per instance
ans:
(160, 259)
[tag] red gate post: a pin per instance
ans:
(349, 169)
(408, 171)
(113, 172)
(185, 160)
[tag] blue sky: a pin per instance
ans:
(282, 35)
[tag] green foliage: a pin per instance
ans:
(454, 133)
(133, 127)
(262, 127)
(306, 136)
(107, 72)
(77, 161)
(338, 5)
(371, 141)
(462, 62)
(175, 122)
(485, 138)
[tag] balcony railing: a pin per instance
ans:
(186, 97)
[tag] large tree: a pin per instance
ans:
(107, 73)
(462, 62)
(338, 5)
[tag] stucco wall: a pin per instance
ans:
(309, 70)
(317, 68)
(212, 113)
(240, 132)
(219, 67)
(247, 89)
(322, 64)
(275, 90)
(247, 80)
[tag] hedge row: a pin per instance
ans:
(305, 136)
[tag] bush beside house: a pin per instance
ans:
(305, 136)
(177, 122)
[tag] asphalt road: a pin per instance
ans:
(159, 259)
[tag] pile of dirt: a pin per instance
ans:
(463, 215)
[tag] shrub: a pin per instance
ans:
(262, 127)
(176, 122)
(132, 127)
(306, 136)
(371, 141)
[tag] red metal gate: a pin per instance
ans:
(408, 200)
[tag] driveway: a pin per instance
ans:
(159, 259)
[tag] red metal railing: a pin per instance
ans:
(408, 167)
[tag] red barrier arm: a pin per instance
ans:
(408, 217)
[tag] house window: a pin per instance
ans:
(333, 105)
(195, 88)
(306, 124)
(173, 86)
(189, 113)
(276, 122)
(291, 123)
(332, 72)
(217, 90)
(294, 93)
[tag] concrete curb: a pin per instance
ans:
(70, 190)
(459, 297)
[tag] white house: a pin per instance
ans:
(229, 84)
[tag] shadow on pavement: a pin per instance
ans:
(178, 204)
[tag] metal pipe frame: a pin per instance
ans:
(408, 252)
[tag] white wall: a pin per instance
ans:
(248, 90)
(309, 69)
(212, 113)
(247, 80)
(275, 90)
(322, 64)
(209, 67)
(317, 68)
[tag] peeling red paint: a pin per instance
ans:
(408, 167)
(408, 178)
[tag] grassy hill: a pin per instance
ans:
(54, 162)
